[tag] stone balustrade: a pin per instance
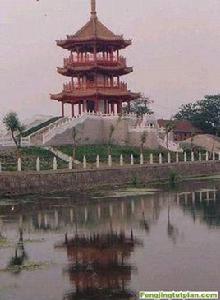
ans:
(157, 159)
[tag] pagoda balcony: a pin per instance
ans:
(90, 60)
(73, 87)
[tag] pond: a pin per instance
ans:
(110, 244)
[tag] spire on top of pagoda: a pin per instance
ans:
(94, 31)
(93, 9)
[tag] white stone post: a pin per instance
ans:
(84, 162)
(160, 159)
(169, 158)
(141, 159)
(110, 161)
(192, 156)
(185, 157)
(54, 163)
(151, 158)
(121, 160)
(200, 156)
(132, 159)
(219, 156)
(19, 165)
(97, 162)
(38, 164)
(207, 156)
(70, 163)
(177, 157)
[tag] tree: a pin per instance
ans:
(204, 114)
(169, 127)
(143, 141)
(13, 124)
(76, 141)
(110, 135)
(140, 106)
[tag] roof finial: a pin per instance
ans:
(93, 8)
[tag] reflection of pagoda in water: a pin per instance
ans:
(98, 268)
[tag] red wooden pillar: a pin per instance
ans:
(129, 106)
(112, 108)
(84, 106)
(73, 112)
(62, 110)
(105, 107)
(96, 106)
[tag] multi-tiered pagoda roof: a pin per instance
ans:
(95, 67)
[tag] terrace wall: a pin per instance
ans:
(20, 183)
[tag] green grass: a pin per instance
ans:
(91, 152)
(28, 156)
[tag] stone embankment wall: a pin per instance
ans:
(21, 183)
(96, 130)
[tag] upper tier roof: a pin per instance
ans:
(94, 30)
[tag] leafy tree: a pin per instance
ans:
(13, 124)
(140, 107)
(204, 114)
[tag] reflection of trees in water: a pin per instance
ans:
(98, 266)
(172, 230)
(20, 254)
(144, 223)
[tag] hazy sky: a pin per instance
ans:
(175, 51)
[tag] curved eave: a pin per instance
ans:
(72, 42)
(105, 94)
(72, 71)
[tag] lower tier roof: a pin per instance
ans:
(87, 94)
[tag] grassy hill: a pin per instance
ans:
(8, 158)
(91, 152)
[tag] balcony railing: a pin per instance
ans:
(71, 87)
(90, 60)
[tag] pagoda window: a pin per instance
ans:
(111, 81)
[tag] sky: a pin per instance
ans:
(175, 51)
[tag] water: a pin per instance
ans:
(166, 240)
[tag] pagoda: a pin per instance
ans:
(94, 67)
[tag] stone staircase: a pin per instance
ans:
(61, 155)
(172, 146)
